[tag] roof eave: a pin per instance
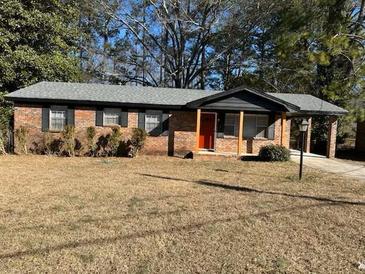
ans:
(319, 113)
(90, 103)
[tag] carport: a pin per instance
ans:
(310, 107)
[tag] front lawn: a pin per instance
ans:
(159, 214)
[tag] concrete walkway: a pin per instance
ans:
(345, 168)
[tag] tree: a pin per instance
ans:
(38, 42)
(314, 47)
(171, 38)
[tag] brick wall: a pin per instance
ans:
(29, 117)
(360, 137)
(287, 134)
(182, 132)
(180, 140)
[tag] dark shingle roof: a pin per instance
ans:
(109, 93)
(309, 103)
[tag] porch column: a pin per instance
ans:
(332, 133)
(283, 129)
(197, 137)
(307, 146)
(240, 133)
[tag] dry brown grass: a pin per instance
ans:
(158, 214)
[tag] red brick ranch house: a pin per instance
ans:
(178, 122)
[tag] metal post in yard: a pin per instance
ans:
(302, 128)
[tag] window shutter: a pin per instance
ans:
(271, 128)
(45, 119)
(141, 120)
(165, 124)
(71, 116)
(99, 118)
(123, 119)
(220, 126)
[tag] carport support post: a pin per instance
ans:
(307, 146)
(240, 133)
(332, 134)
(197, 137)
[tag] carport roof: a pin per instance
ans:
(309, 104)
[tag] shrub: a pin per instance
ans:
(137, 141)
(21, 135)
(47, 142)
(68, 135)
(2, 146)
(90, 134)
(57, 146)
(114, 140)
(274, 153)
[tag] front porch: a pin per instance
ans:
(212, 140)
(236, 134)
(240, 123)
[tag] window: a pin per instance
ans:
(57, 119)
(152, 122)
(256, 125)
(111, 116)
(262, 122)
(231, 124)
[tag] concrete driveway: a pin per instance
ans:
(342, 167)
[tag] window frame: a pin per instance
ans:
(116, 111)
(159, 115)
(55, 109)
(266, 134)
(235, 125)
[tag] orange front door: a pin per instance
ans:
(207, 127)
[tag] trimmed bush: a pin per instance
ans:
(2, 146)
(69, 144)
(91, 145)
(137, 141)
(114, 141)
(47, 142)
(21, 135)
(274, 153)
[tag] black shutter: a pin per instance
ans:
(45, 119)
(220, 126)
(99, 117)
(123, 119)
(165, 124)
(71, 116)
(271, 128)
(141, 120)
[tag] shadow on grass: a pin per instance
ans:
(253, 190)
(149, 233)
(249, 173)
(251, 158)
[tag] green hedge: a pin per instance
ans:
(273, 153)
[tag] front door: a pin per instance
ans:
(207, 128)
